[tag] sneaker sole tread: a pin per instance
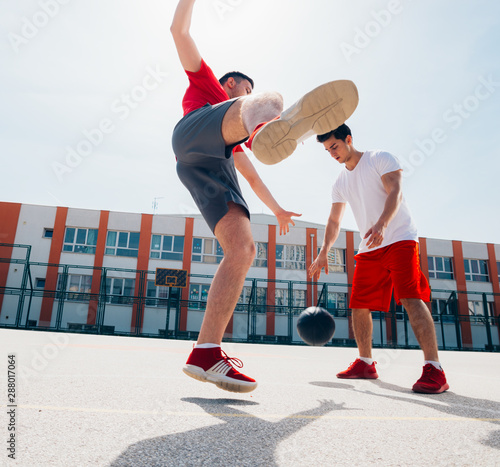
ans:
(278, 139)
(227, 384)
(423, 390)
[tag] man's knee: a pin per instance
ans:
(248, 251)
(275, 99)
(411, 304)
(361, 312)
(242, 251)
(269, 99)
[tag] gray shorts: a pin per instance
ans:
(205, 164)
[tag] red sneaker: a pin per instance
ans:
(432, 381)
(359, 370)
(214, 366)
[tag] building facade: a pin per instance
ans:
(94, 271)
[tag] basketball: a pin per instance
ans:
(315, 326)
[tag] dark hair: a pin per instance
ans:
(342, 132)
(238, 77)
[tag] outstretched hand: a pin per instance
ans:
(284, 219)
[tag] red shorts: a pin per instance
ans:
(377, 273)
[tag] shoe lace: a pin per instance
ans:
(356, 361)
(231, 361)
(429, 372)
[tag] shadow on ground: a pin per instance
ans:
(451, 404)
(242, 439)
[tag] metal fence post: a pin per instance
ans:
(487, 322)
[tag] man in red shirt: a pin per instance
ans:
(218, 117)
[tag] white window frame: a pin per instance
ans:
(439, 271)
(336, 260)
(211, 251)
(198, 294)
(439, 307)
(167, 247)
(336, 299)
(76, 246)
(299, 297)
(261, 299)
(291, 257)
(113, 283)
(160, 297)
(476, 308)
(78, 287)
(260, 260)
(114, 249)
(476, 276)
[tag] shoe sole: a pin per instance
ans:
(222, 382)
(422, 390)
(320, 111)
(358, 377)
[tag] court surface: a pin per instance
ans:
(104, 400)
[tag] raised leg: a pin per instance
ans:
(247, 112)
(235, 237)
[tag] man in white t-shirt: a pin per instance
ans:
(388, 256)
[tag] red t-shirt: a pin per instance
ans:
(204, 88)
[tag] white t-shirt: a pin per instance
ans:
(363, 189)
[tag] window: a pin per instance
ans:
(299, 298)
(120, 291)
(290, 256)
(40, 283)
(440, 267)
(198, 294)
(336, 260)
(80, 240)
(443, 308)
(498, 269)
(260, 260)
(122, 244)
(207, 250)
(476, 308)
(157, 296)
(77, 287)
(281, 300)
(48, 233)
(259, 303)
(337, 300)
(476, 270)
(167, 247)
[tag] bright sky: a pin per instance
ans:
(91, 90)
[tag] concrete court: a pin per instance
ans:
(118, 401)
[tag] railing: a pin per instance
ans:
(455, 331)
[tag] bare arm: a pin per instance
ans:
(186, 48)
(392, 185)
(331, 235)
(246, 168)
